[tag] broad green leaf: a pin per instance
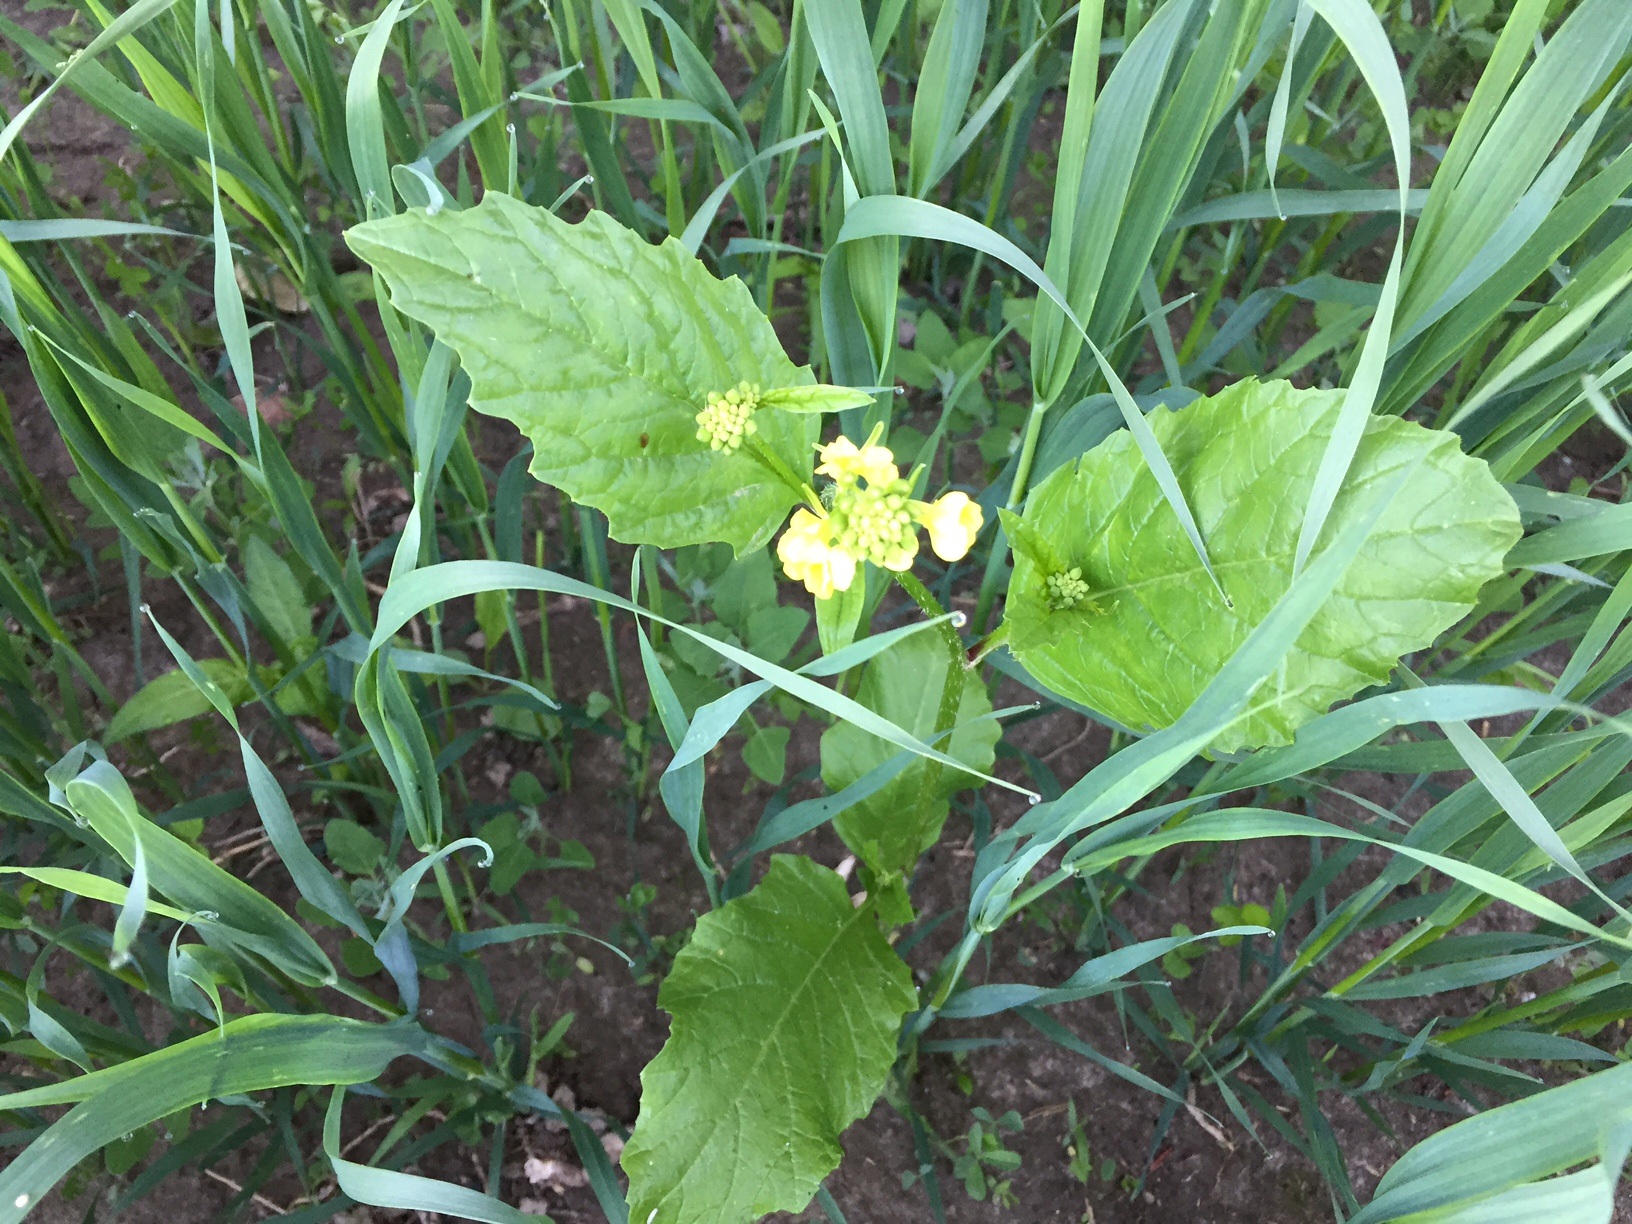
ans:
(173, 698)
(1148, 631)
(276, 592)
(602, 349)
(774, 632)
(351, 847)
(890, 829)
(766, 754)
(786, 1004)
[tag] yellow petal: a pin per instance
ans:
(953, 522)
(843, 460)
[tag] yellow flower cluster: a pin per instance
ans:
(727, 417)
(869, 515)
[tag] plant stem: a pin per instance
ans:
(1017, 493)
(450, 902)
(1028, 454)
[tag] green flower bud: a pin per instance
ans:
(1065, 590)
(728, 417)
(876, 523)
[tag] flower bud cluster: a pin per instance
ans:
(727, 418)
(1065, 590)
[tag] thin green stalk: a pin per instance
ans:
(444, 885)
(1028, 454)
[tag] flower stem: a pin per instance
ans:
(1017, 493)
(997, 637)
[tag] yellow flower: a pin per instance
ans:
(807, 554)
(844, 461)
(953, 521)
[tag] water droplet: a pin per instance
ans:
(959, 620)
(339, 41)
(511, 128)
(20, 1201)
(1033, 799)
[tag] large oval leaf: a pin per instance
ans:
(602, 348)
(1152, 630)
(786, 1004)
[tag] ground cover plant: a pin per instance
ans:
(1019, 602)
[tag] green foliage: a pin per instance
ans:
(233, 914)
(603, 349)
(791, 996)
(274, 589)
(173, 698)
(1501, 1165)
(766, 754)
(249, 1055)
(1141, 631)
(352, 848)
(892, 827)
(1418, 205)
(986, 1158)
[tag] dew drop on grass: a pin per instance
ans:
(959, 620)
(20, 1202)
(1033, 798)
